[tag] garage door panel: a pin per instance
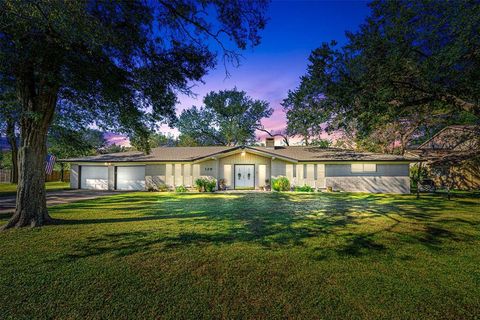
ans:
(131, 178)
(94, 178)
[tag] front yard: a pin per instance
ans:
(7, 189)
(252, 255)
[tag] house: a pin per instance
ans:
(452, 156)
(248, 167)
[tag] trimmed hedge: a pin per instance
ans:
(281, 184)
(206, 184)
(304, 188)
(181, 189)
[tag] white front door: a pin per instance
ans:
(244, 176)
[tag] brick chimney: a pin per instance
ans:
(270, 143)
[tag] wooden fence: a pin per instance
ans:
(55, 176)
(5, 175)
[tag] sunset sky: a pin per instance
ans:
(269, 70)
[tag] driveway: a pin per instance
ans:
(7, 203)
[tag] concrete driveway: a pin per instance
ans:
(7, 203)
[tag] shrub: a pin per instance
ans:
(281, 184)
(210, 185)
(206, 184)
(181, 189)
(304, 188)
(200, 184)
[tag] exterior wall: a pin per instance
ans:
(171, 174)
(154, 175)
(388, 170)
(299, 174)
(74, 176)
(278, 168)
(227, 167)
(373, 184)
(111, 178)
(464, 176)
(209, 168)
(389, 178)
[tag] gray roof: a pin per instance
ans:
(294, 153)
(302, 153)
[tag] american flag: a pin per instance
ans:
(49, 163)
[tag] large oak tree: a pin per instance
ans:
(411, 66)
(228, 118)
(116, 64)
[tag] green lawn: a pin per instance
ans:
(253, 255)
(11, 188)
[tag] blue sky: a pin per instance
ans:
(269, 70)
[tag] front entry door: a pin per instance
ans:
(244, 176)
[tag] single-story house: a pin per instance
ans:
(246, 167)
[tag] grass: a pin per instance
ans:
(252, 255)
(7, 189)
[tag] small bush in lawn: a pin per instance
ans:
(210, 185)
(304, 188)
(206, 184)
(200, 184)
(281, 184)
(181, 189)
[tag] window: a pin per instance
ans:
(294, 170)
(363, 167)
(304, 171)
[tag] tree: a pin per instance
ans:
(69, 143)
(411, 65)
(119, 63)
(321, 143)
(187, 141)
(155, 140)
(228, 118)
(304, 114)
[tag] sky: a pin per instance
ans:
(269, 70)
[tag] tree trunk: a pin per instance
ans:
(38, 101)
(12, 141)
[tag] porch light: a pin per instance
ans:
(243, 153)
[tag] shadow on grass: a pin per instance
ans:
(271, 221)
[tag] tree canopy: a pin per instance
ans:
(228, 117)
(116, 64)
(411, 66)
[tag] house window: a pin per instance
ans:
(294, 170)
(363, 167)
(304, 171)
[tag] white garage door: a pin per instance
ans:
(131, 178)
(94, 177)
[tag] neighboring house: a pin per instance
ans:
(452, 156)
(246, 167)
